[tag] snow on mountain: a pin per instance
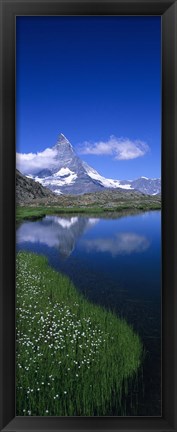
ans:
(63, 172)
(68, 174)
(108, 183)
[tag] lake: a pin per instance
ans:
(115, 263)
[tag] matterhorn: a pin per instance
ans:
(71, 175)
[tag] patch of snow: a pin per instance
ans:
(58, 192)
(126, 186)
(70, 179)
(54, 181)
(146, 178)
(62, 136)
(30, 176)
(95, 176)
(40, 180)
(63, 172)
(110, 183)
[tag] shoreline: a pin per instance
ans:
(75, 333)
(38, 212)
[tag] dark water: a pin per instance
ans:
(116, 263)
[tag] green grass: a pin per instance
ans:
(73, 357)
(24, 213)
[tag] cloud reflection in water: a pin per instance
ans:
(123, 243)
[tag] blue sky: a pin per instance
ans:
(98, 81)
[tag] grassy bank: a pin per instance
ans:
(30, 212)
(73, 357)
(24, 213)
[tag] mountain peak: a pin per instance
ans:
(62, 139)
(63, 144)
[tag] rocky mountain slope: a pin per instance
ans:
(108, 199)
(70, 175)
(28, 190)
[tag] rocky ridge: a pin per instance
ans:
(28, 190)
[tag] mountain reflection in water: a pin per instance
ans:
(63, 234)
(55, 231)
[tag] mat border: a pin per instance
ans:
(168, 12)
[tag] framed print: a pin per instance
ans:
(88, 215)
(96, 204)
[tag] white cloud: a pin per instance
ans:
(119, 148)
(30, 163)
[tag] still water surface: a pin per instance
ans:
(115, 263)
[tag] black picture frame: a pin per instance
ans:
(167, 9)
